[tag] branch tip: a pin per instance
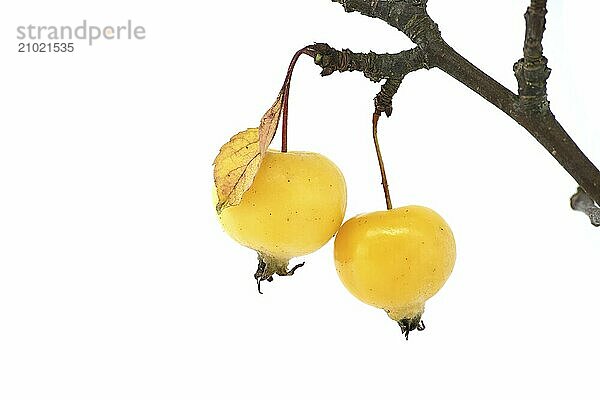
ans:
(581, 201)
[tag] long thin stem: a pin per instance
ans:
(286, 93)
(384, 183)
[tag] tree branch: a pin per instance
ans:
(383, 100)
(532, 70)
(376, 67)
(535, 19)
(530, 108)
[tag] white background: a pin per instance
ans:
(116, 281)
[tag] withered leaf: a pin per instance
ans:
(239, 159)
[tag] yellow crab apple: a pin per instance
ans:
(294, 206)
(396, 260)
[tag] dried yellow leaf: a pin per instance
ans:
(239, 159)
(268, 124)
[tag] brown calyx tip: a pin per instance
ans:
(410, 324)
(269, 266)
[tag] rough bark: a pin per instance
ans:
(529, 108)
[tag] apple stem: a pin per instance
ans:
(384, 183)
(308, 50)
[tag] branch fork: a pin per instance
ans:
(529, 107)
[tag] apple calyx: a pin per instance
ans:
(269, 266)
